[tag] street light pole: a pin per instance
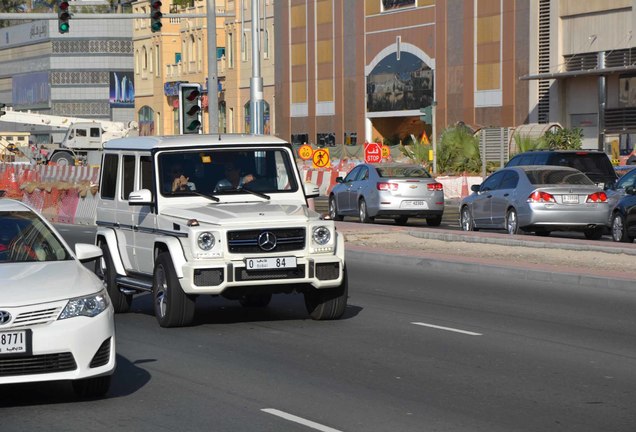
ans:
(256, 82)
(213, 97)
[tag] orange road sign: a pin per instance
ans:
(305, 152)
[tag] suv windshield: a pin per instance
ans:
(226, 171)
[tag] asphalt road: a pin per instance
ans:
(419, 349)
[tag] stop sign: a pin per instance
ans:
(373, 153)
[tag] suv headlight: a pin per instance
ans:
(206, 241)
(322, 235)
(88, 306)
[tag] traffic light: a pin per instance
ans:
(155, 15)
(3, 110)
(63, 16)
(190, 109)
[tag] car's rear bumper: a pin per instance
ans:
(565, 216)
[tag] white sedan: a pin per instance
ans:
(56, 319)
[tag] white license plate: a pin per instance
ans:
(270, 263)
(570, 199)
(15, 342)
(419, 204)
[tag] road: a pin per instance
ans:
(419, 349)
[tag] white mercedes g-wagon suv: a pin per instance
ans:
(227, 215)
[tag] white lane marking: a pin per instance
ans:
(299, 420)
(447, 329)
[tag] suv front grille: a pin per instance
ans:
(287, 239)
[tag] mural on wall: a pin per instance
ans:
(31, 91)
(122, 90)
(397, 85)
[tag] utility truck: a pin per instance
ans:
(84, 138)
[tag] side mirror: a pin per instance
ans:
(339, 180)
(140, 197)
(630, 190)
(87, 252)
(311, 190)
(475, 187)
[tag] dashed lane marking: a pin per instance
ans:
(299, 420)
(447, 329)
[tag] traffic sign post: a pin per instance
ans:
(373, 153)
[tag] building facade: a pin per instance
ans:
(361, 70)
(86, 73)
(583, 70)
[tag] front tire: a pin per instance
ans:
(173, 307)
(333, 209)
(328, 303)
(364, 212)
(90, 388)
(105, 269)
(466, 222)
(619, 230)
(63, 159)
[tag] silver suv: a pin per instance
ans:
(183, 216)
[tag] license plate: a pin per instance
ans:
(570, 199)
(270, 263)
(421, 204)
(15, 342)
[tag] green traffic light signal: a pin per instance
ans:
(63, 16)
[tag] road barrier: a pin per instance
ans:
(68, 194)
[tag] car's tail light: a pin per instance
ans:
(386, 186)
(541, 197)
(597, 197)
(435, 186)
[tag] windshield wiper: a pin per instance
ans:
(253, 192)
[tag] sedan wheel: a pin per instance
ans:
(512, 223)
(619, 230)
(333, 209)
(364, 215)
(466, 220)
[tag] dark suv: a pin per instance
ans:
(595, 164)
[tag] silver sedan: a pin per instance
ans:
(540, 199)
(396, 191)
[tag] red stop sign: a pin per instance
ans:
(373, 153)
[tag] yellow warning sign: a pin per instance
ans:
(425, 140)
(386, 151)
(321, 159)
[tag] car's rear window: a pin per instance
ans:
(595, 165)
(558, 177)
(402, 172)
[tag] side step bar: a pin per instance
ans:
(128, 285)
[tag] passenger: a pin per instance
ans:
(233, 178)
(180, 182)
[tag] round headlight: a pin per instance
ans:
(322, 235)
(206, 241)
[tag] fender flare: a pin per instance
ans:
(175, 249)
(109, 236)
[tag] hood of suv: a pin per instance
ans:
(243, 213)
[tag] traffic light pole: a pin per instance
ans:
(256, 82)
(213, 97)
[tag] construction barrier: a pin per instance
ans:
(68, 194)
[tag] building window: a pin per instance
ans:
(244, 47)
(266, 44)
(230, 50)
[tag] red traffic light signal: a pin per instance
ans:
(63, 16)
(155, 16)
